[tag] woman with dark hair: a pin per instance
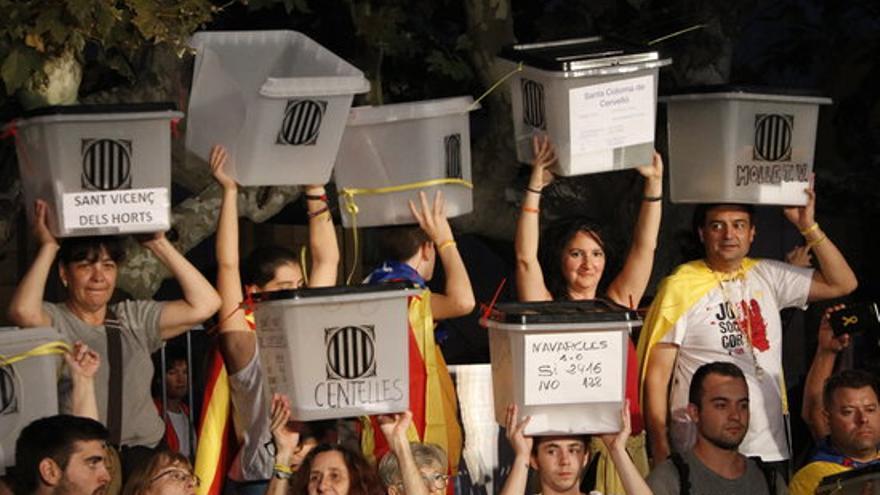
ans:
(575, 261)
(163, 473)
(124, 334)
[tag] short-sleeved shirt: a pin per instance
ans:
(709, 332)
(664, 480)
(255, 458)
(141, 424)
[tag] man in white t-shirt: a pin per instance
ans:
(725, 307)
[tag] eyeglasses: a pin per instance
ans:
(437, 480)
(178, 476)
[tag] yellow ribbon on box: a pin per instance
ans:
(351, 207)
(56, 347)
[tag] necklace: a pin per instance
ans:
(743, 321)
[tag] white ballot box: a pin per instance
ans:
(102, 169)
(562, 363)
(852, 482)
(741, 145)
(28, 387)
(596, 98)
(337, 352)
(390, 153)
(277, 100)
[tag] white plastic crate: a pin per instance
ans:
(562, 363)
(28, 388)
(736, 145)
(277, 100)
(595, 98)
(103, 169)
(405, 144)
(337, 352)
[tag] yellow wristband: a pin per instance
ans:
(818, 241)
(445, 244)
(809, 229)
(281, 468)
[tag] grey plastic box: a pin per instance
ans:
(739, 145)
(337, 352)
(102, 169)
(562, 363)
(403, 144)
(277, 100)
(596, 98)
(28, 388)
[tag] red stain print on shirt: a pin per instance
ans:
(755, 326)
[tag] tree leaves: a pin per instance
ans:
(18, 67)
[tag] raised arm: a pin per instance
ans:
(286, 442)
(522, 449)
(458, 296)
(83, 363)
(530, 284)
(834, 278)
(394, 430)
(630, 283)
(322, 239)
(237, 343)
(820, 369)
(200, 300)
(26, 306)
(660, 363)
(633, 483)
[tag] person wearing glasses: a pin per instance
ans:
(411, 468)
(166, 473)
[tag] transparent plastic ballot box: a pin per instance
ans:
(562, 363)
(28, 387)
(853, 482)
(337, 352)
(277, 100)
(102, 169)
(390, 153)
(737, 144)
(596, 97)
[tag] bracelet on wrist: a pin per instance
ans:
(445, 244)
(652, 199)
(533, 190)
(816, 242)
(317, 197)
(318, 212)
(527, 209)
(809, 229)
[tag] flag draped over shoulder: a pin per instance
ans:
(432, 398)
(212, 456)
(677, 293)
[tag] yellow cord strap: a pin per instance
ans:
(493, 87)
(351, 207)
(48, 349)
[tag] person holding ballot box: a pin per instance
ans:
(573, 267)
(411, 253)
(725, 307)
(124, 334)
(560, 460)
(267, 269)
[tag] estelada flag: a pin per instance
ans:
(212, 455)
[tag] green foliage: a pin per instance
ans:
(33, 31)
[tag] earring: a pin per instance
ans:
(64, 283)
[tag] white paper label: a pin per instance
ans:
(126, 210)
(612, 115)
(567, 368)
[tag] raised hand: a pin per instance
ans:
(800, 256)
(41, 227)
(432, 219)
(218, 159)
(394, 428)
(618, 440)
(827, 342)
(82, 360)
(285, 438)
(803, 217)
(544, 154)
(654, 170)
(521, 443)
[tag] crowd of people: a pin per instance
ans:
(706, 408)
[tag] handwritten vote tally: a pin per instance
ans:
(337, 352)
(562, 363)
(102, 169)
